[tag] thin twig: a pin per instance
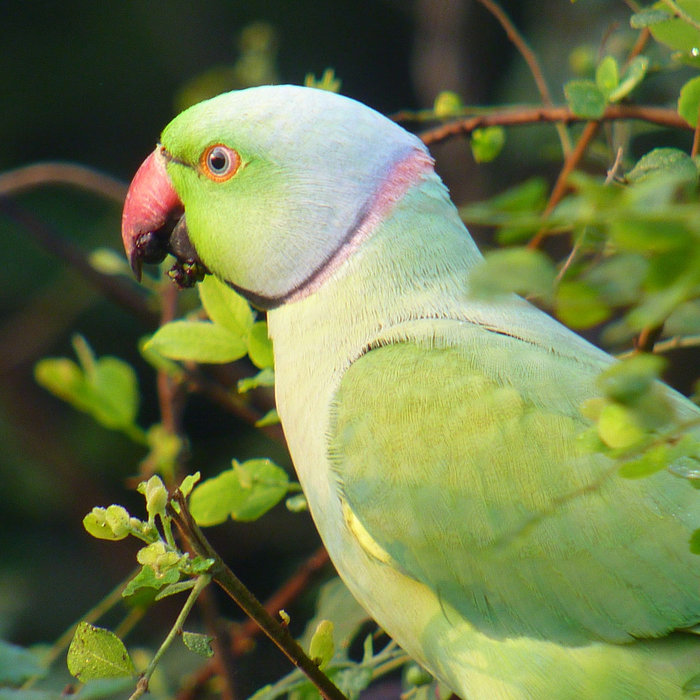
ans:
(242, 635)
(230, 583)
(142, 686)
(533, 64)
(528, 115)
(559, 189)
(84, 178)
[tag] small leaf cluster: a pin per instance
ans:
(232, 332)
(162, 562)
(244, 493)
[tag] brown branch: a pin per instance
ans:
(234, 588)
(560, 186)
(526, 115)
(531, 59)
(80, 176)
(242, 636)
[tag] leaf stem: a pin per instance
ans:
(142, 686)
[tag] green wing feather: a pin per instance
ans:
(460, 459)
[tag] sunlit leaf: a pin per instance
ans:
(96, 652)
(675, 32)
(689, 101)
(618, 427)
(225, 307)
(260, 346)
(487, 143)
(633, 75)
(245, 492)
(607, 76)
(198, 341)
(322, 646)
(447, 104)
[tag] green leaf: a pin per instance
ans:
(513, 270)
(225, 307)
(671, 161)
(689, 101)
(447, 104)
(18, 664)
(197, 341)
(263, 485)
(652, 461)
(213, 500)
(198, 643)
(579, 305)
(647, 18)
(630, 379)
(676, 32)
(98, 525)
(607, 76)
(487, 143)
(633, 75)
(175, 588)
(188, 483)
(695, 542)
(147, 578)
(585, 99)
(265, 377)
(322, 647)
(260, 346)
(96, 652)
(244, 493)
(618, 427)
(106, 388)
(270, 418)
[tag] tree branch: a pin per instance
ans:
(79, 176)
(230, 583)
(526, 115)
(533, 64)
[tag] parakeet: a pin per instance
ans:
(434, 435)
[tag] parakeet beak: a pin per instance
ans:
(153, 222)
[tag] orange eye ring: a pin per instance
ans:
(219, 162)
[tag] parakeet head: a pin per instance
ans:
(269, 188)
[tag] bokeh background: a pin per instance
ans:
(94, 83)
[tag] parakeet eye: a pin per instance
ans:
(219, 162)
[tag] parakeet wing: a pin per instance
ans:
(457, 457)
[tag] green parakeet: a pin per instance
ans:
(434, 435)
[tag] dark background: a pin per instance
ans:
(94, 83)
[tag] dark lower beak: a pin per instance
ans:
(153, 223)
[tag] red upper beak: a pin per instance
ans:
(151, 211)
